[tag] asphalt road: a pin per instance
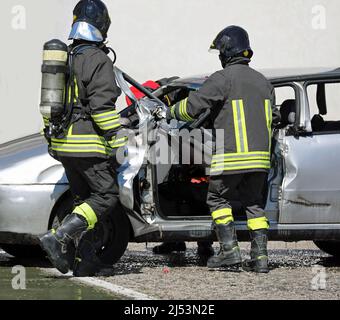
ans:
(298, 271)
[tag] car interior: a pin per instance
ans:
(184, 190)
(321, 100)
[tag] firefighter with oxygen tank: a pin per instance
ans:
(78, 98)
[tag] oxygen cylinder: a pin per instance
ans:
(54, 75)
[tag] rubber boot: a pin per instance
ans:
(229, 253)
(55, 242)
(168, 247)
(205, 249)
(258, 253)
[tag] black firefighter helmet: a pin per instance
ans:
(232, 41)
(91, 21)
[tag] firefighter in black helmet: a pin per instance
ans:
(241, 101)
(88, 148)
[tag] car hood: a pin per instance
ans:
(26, 161)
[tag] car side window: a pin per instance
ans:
(323, 99)
(286, 103)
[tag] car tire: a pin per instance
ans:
(111, 235)
(330, 247)
(114, 233)
(21, 251)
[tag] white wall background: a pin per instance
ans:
(158, 38)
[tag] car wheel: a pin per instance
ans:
(23, 251)
(330, 247)
(110, 236)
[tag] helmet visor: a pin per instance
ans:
(213, 49)
(85, 31)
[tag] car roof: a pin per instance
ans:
(276, 76)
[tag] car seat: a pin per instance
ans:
(288, 113)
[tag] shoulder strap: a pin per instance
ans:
(82, 94)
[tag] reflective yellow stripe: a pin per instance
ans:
(118, 142)
(236, 154)
(83, 146)
(76, 91)
(241, 163)
(244, 127)
(258, 223)
(87, 212)
(104, 115)
(181, 111)
(46, 121)
(79, 148)
(224, 221)
(106, 119)
(226, 212)
(268, 111)
(118, 145)
(80, 139)
(56, 55)
(109, 125)
(253, 153)
(167, 100)
(240, 126)
(236, 127)
(241, 157)
(223, 216)
(184, 113)
(239, 168)
(172, 111)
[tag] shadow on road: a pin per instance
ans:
(329, 262)
(134, 261)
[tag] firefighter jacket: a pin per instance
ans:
(240, 100)
(95, 120)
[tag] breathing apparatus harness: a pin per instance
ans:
(58, 89)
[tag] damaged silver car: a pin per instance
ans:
(165, 200)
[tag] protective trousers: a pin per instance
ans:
(93, 184)
(250, 188)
